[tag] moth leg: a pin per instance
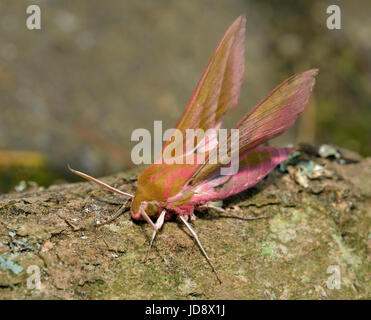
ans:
(118, 213)
(158, 224)
(200, 245)
(213, 207)
(219, 209)
(234, 215)
(146, 217)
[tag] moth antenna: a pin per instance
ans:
(101, 183)
(200, 245)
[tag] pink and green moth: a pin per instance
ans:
(167, 191)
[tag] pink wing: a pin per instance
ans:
(272, 116)
(253, 167)
(220, 85)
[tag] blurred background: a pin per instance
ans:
(74, 91)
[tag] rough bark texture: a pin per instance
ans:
(317, 218)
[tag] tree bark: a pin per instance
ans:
(314, 244)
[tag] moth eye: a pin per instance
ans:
(152, 208)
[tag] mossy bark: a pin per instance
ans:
(286, 256)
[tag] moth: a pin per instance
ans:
(167, 191)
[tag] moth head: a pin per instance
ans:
(150, 207)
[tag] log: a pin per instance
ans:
(314, 244)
